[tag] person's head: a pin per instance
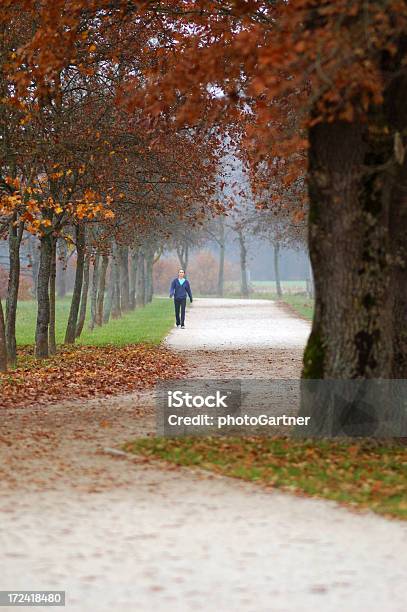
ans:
(181, 273)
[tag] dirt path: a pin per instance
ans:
(128, 535)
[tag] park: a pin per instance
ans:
(203, 305)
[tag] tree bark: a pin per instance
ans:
(52, 343)
(133, 277)
(15, 236)
(141, 285)
(3, 343)
(94, 291)
(101, 290)
(77, 291)
(244, 286)
(84, 298)
(43, 312)
(276, 250)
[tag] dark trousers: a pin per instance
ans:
(180, 306)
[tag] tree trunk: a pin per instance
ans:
(77, 291)
(276, 250)
(116, 305)
(3, 343)
(141, 285)
(101, 290)
(244, 286)
(183, 255)
(52, 343)
(61, 267)
(109, 301)
(309, 281)
(149, 276)
(15, 236)
(34, 259)
(43, 312)
(123, 253)
(133, 277)
(221, 272)
(349, 244)
(84, 297)
(94, 291)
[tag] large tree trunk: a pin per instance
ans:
(84, 297)
(94, 291)
(133, 277)
(61, 269)
(77, 291)
(244, 286)
(43, 312)
(141, 284)
(349, 245)
(52, 343)
(101, 290)
(15, 236)
(123, 253)
(276, 262)
(3, 343)
(221, 271)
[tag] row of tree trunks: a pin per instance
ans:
(15, 235)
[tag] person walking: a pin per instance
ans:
(180, 288)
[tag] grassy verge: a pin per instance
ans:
(149, 324)
(357, 474)
(303, 305)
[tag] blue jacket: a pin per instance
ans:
(180, 291)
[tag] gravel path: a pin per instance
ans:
(124, 535)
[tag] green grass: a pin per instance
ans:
(150, 324)
(358, 474)
(301, 304)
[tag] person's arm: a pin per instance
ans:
(172, 288)
(188, 290)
